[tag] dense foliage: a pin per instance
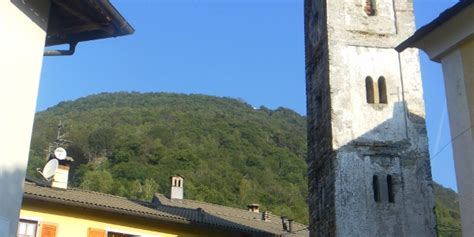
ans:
(129, 144)
(447, 212)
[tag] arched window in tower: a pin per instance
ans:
(382, 90)
(369, 88)
(375, 187)
(370, 7)
(391, 194)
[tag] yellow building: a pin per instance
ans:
(49, 211)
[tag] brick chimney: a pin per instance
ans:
(177, 184)
(254, 207)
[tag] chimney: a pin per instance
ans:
(283, 223)
(290, 225)
(254, 207)
(266, 216)
(61, 177)
(177, 187)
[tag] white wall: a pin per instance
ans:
(459, 84)
(22, 43)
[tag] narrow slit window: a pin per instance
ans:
(391, 194)
(382, 90)
(369, 88)
(375, 187)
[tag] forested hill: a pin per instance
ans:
(129, 144)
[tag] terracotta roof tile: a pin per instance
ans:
(179, 211)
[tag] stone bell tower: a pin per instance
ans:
(369, 166)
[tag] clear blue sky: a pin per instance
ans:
(249, 49)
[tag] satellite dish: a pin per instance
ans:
(60, 153)
(50, 168)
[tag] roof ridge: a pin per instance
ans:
(203, 202)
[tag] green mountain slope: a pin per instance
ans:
(447, 212)
(128, 144)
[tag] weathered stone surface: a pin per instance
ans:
(350, 140)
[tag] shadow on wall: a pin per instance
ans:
(11, 194)
(385, 182)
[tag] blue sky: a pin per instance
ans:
(248, 49)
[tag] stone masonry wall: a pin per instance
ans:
(350, 141)
(320, 154)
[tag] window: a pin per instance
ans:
(370, 7)
(27, 228)
(391, 194)
(117, 234)
(369, 87)
(48, 230)
(375, 187)
(95, 233)
(382, 90)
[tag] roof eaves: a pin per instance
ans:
(120, 21)
(430, 27)
(31, 196)
(148, 215)
(117, 25)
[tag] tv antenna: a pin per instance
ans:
(55, 149)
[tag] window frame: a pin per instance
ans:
(30, 221)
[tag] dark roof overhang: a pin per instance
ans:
(430, 27)
(73, 21)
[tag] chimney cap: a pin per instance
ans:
(176, 175)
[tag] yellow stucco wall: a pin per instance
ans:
(75, 222)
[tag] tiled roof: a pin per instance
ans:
(163, 209)
(94, 200)
(217, 214)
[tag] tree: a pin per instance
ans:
(98, 180)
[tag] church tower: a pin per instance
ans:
(369, 167)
